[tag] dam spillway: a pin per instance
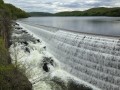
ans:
(94, 59)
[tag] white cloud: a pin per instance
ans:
(61, 5)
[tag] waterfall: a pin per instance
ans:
(94, 59)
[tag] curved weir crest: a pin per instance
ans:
(94, 59)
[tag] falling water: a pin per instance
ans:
(94, 59)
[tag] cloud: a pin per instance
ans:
(61, 5)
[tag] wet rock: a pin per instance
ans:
(18, 28)
(17, 24)
(23, 31)
(17, 32)
(83, 37)
(27, 50)
(44, 47)
(45, 67)
(38, 40)
(47, 61)
(23, 36)
(51, 62)
(25, 43)
(10, 43)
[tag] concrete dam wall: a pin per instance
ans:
(94, 59)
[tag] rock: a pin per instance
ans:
(38, 40)
(25, 43)
(17, 24)
(24, 31)
(44, 47)
(47, 61)
(45, 67)
(18, 28)
(27, 50)
(51, 62)
(10, 43)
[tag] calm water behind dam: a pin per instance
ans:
(96, 25)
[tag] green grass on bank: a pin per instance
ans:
(6, 73)
(3, 53)
(10, 77)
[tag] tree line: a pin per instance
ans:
(12, 11)
(100, 11)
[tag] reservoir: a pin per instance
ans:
(95, 25)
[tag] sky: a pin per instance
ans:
(54, 6)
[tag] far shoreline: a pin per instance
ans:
(99, 11)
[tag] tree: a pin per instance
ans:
(1, 2)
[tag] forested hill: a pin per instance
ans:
(40, 14)
(101, 11)
(13, 11)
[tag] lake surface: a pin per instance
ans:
(95, 25)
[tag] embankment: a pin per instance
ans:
(10, 76)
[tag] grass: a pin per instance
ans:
(5, 76)
(4, 55)
(10, 77)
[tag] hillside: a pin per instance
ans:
(40, 14)
(13, 11)
(100, 11)
(16, 12)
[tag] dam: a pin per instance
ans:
(92, 58)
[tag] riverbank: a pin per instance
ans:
(10, 77)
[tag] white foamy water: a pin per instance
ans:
(93, 59)
(86, 59)
(31, 63)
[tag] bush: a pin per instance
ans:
(4, 55)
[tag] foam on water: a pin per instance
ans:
(94, 60)
(31, 65)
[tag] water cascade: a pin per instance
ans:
(94, 59)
